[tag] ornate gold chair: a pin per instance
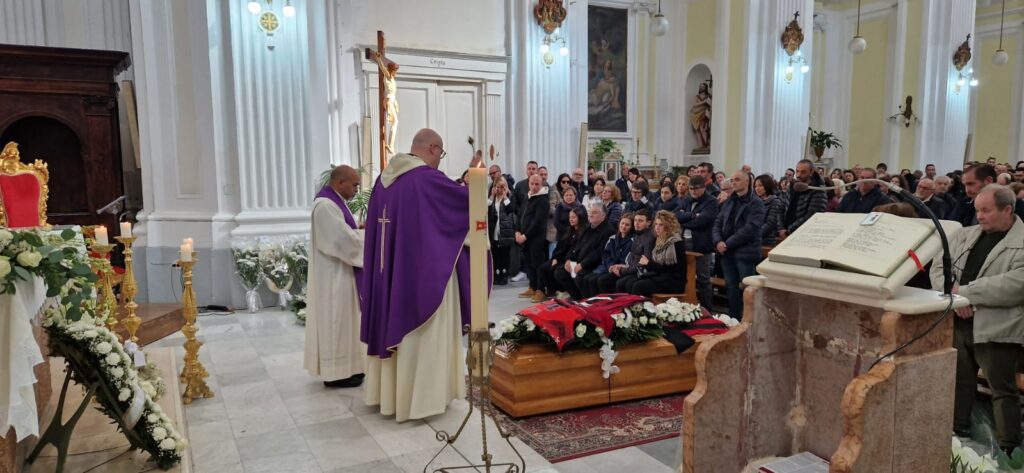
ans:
(23, 190)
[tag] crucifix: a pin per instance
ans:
(387, 90)
(383, 221)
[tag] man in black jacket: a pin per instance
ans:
(697, 217)
(531, 231)
(926, 192)
(802, 205)
(866, 197)
(585, 256)
(643, 244)
(737, 236)
(519, 198)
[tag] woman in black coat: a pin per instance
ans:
(665, 270)
(501, 228)
(547, 285)
(569, 201)
(668, 200)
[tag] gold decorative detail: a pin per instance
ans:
(963, 54)
(11, 165)
(107, 303)
(269, 22)
(129, 288)
(549, 14)
(193, 374)
(793, 36)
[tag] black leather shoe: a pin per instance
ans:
(350, 382)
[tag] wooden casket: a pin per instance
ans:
(537, 379)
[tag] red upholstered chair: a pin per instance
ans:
(23, 190)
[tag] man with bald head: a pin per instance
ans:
(333, 351)
(416, 284)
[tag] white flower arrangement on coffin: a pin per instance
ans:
(966, 460)
(96, 358)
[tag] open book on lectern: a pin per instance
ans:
(871, 255)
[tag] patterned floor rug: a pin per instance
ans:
(567, 435)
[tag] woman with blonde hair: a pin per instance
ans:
(665, 270)
(612, 204)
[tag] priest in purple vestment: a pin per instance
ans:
(415, 288)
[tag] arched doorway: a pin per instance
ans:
(56, 144)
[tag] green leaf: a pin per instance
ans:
(67, 234)
(55, 257)
(52, 291)
(32, 239)
(81, 270)
(21, 273)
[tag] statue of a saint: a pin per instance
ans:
(388, 71)
(700, 119)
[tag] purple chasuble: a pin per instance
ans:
(424, 217)
(329, 194)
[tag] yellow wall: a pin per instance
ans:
(700, 30)
(911, 79)
(867, 114)
(737, 58)
(995, 105)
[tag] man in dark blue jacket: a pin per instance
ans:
(865, 198)
(737, 236)
(696, 216)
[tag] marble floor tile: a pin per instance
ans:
(410, 440)
(379, 466)
(299, 386)
(625, 459)
(377, 424)
(250, 392)
(207, 411)
(292, 463)
(248, 373)
(276, 344)
(260, 417)
(341, 443)
(213, 445)
(414, 462)
(668, 451)
(273, 444)
(317, 408)
(236, 468)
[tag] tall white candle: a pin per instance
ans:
(477, 181)
(185, 253)
(126, 229)
(188, 241)
(101, 236)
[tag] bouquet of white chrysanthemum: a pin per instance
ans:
(297, 259)
(247, 267)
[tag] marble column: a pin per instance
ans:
(775, 111)
(944, 111)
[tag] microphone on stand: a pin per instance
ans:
(947, 264)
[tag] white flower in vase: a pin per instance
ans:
(581, 330)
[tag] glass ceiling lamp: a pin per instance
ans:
(858, 44)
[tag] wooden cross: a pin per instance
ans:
(381, 94)
(383, 221)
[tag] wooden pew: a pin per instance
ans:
(689, 295)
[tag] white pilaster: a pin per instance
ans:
(945, 113)
(775, 112)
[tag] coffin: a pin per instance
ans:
(537, 379)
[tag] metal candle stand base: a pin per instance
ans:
(478, 362)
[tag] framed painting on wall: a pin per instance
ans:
(607, 78)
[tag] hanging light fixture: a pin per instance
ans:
(254, 7)
(267, 20)
(858, 44)
(659, 24)
(288, 9)
(1000, 57)
(550, 14)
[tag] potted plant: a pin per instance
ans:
(603, 147)
(822, 140)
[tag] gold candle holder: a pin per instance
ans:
(128, 290)
(107, 303)
(193, 374)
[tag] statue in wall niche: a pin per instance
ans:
(700, 118)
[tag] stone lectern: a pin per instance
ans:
(794, 377)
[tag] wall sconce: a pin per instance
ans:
(905, 114)
(792, 39)
(961, 58)
(550, 14)
(267, 20)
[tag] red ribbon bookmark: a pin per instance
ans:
(917, 261)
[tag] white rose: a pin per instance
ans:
(5, 266)
(643, 320)
(103, 348)
(124, 395)
(600, 331)
(90, 334)
(117, 372)
(530, 325)
(29, 259)
(168, 444)
(581, 330)
(153, 418)
(5, 238)
(125, 358)
(159, 433)
(113, 359)
(148, 388)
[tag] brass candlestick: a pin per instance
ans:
(193, 374)
(107, 303)
(478, 361)
(128, 291)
